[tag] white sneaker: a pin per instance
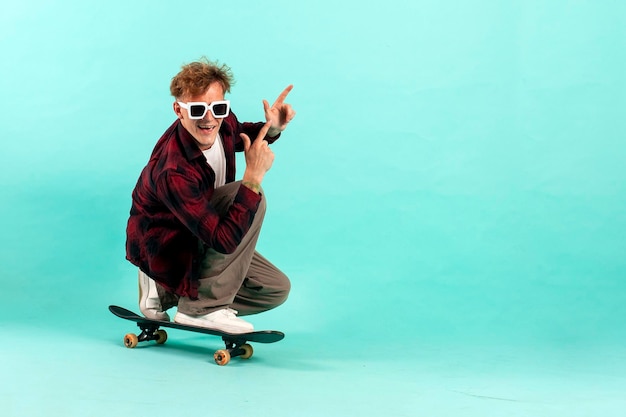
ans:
(149, 302)
(224, 320)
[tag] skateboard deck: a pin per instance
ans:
(236, 344)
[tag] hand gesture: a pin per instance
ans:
(280, 113)
(259, 157)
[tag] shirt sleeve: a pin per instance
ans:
(252, 130)
(184, 198)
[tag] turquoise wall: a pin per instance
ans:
(454, 173)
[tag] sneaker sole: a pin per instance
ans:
(210, 326)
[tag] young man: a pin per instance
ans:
(192, 229)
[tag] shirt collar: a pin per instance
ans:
(190, 148)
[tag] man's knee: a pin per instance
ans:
(283, 289)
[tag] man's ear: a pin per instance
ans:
(177, 110)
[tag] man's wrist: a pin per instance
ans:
(254, 186)
(273, 132)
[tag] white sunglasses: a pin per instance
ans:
(198, 109)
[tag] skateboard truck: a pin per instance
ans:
(148, 332)
(234, 347)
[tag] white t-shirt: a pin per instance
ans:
(216, 159)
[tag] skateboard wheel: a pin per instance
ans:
(247, 351)
(131, 340)
(161, 336)
(222, 357)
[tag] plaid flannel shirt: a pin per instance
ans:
(172, 222)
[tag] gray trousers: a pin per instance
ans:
(243, 280)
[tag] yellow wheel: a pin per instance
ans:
(248, 351)
(161, 336)
(222, 357)
(131, 340)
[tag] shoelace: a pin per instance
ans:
(230, 312)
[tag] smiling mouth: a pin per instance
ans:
(206, 128)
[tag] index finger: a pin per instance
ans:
(262, 133)
(283, 95)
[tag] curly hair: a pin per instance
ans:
(194, 78)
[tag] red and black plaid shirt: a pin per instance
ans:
(171, 219)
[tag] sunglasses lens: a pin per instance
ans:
(196, 110)
(220, 109)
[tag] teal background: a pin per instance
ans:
(448, 202)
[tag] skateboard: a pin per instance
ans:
(236, 344)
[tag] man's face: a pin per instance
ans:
(204, 130)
